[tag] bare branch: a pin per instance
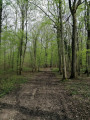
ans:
(68, 18)
(70, 6)
(43, 11)
(79, 3)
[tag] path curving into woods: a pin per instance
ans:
(44, 97)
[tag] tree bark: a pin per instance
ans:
(26, 33)
(46, 53)
(59, 50)
(0, 20)
(62, 41)
(88, 38)
(40, 57)
(21, 41)
(51, 60)
(73, 8)
(35, 53)
(74, 39)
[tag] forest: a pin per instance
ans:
(44, 59)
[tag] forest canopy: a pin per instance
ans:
(38, 34)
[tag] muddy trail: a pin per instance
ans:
(42, 98)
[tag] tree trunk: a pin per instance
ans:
(13, 60)
(88, 38)
(46, 53)
(35, 52)
(74, 37)
(62, 41)
(40, 56)
(59, 50)
(51, 60)
(18, 62)
(0, 27)
(21, 42)
(0, 20)
(4, 58)
(26, 34)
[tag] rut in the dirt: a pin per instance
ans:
(42, 98)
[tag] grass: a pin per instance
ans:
(26, 69)
(55, 69)
(79, 88)
(10, 83)
(76, 87)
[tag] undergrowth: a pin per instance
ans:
(9, 84)
(76, 87)
(79, 88)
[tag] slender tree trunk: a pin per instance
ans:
(18, 62)
(12, 60)
(62, 41)
(31, 58)
(40, 56)
(10, 54)
(78, 56)
(74, 38)
(21, 42)
(88, 38)
(0, 20)
(4, 58)
(26, 34)
(51, 61)
(0, 27)
(17, 66)
(46, 53)
(59, 50)
(69, 56)
(35, 53)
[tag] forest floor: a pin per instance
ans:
(45, 97)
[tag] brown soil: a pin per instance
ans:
(44, 97)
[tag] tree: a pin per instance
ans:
(62, 40)
(26, 15)
(73, 8)
(88, 35)
(22, 6)
(0, 20)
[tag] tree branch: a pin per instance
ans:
(68, 18)
(43, 11)
(79, 3)
(70, 6)
(74, 2)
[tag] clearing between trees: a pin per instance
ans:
(46, 97)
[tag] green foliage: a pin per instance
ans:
(45, 22)
(11, 83)
(43, 31)
(55, 69)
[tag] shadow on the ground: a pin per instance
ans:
(34, 112)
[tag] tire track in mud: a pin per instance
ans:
(46, 100)
(65, 112)
(31, 112)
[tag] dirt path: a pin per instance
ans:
(42, 98)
